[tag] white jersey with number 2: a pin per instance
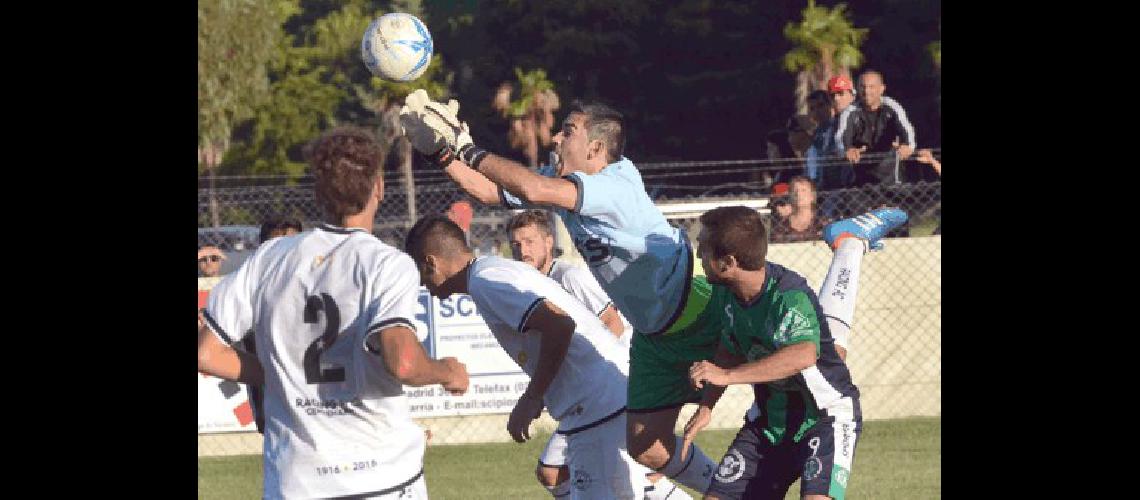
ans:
(337, 422)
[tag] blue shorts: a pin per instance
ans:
(754, 468)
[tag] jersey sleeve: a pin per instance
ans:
(582, 285)
(514, 202)
(510, 302)
(229, 309)
(600, 195)
(796, 321)
(394, 300)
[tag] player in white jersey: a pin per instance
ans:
(331, 310)
(532, 241)
(577, 367)
(642, 262)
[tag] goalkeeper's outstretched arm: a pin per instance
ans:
(528, 185)
(474, 183)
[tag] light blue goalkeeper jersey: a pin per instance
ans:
(641, 261)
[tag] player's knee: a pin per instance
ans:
(551, 476)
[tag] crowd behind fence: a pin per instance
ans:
(895, 355)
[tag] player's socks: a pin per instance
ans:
(560, 491)
(695, 472)
(665, 489)
(839, 288)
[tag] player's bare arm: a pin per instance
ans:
(217, 359)
(527, 184)
(612, 320)
(703, 415)
(557, 328)
(406, 360)
(473, 183)
(785, 362)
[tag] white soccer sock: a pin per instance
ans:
(665, 489)
(697, 470)
(840, 287)
(560, 491)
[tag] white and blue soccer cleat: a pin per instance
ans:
(869, 227)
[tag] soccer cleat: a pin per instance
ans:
(869, 227)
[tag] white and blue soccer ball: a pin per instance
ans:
(396, 47)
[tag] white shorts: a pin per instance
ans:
(600, 467)
(554, 455)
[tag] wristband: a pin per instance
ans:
(472, 155)
(442, 158)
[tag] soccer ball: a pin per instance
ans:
(396, 47)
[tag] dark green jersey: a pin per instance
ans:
(787, 312)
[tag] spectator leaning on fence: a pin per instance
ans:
(210, 260)
(804, 223)
(877, 125)
(834, 172)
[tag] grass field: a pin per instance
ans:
(894, 459)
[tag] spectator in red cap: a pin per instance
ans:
(804, 223)
(779, 204)
(824, 160)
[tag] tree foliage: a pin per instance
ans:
(825, 44)
(319, 81)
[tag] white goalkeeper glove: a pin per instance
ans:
(436, 132)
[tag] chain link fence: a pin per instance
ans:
(895, 348)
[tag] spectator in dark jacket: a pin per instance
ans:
(876, 126)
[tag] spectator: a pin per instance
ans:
(210, 260)
(778, 149)
(278, 226)
(779, 204)
(804, 223)
(927, 156)
(461, 214)
(824, 157)
(833, 171)
(800, 130)
(877, 125)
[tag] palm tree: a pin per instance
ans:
(531, 115)
(826, 44)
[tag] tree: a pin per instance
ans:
(236, 41)
(318, 81)
(825, 44)
(531, 115)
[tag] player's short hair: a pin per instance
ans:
(345, 162)
(537, 218)
(435, 234)
(737, 231)
(605, 124)
(277, 223)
